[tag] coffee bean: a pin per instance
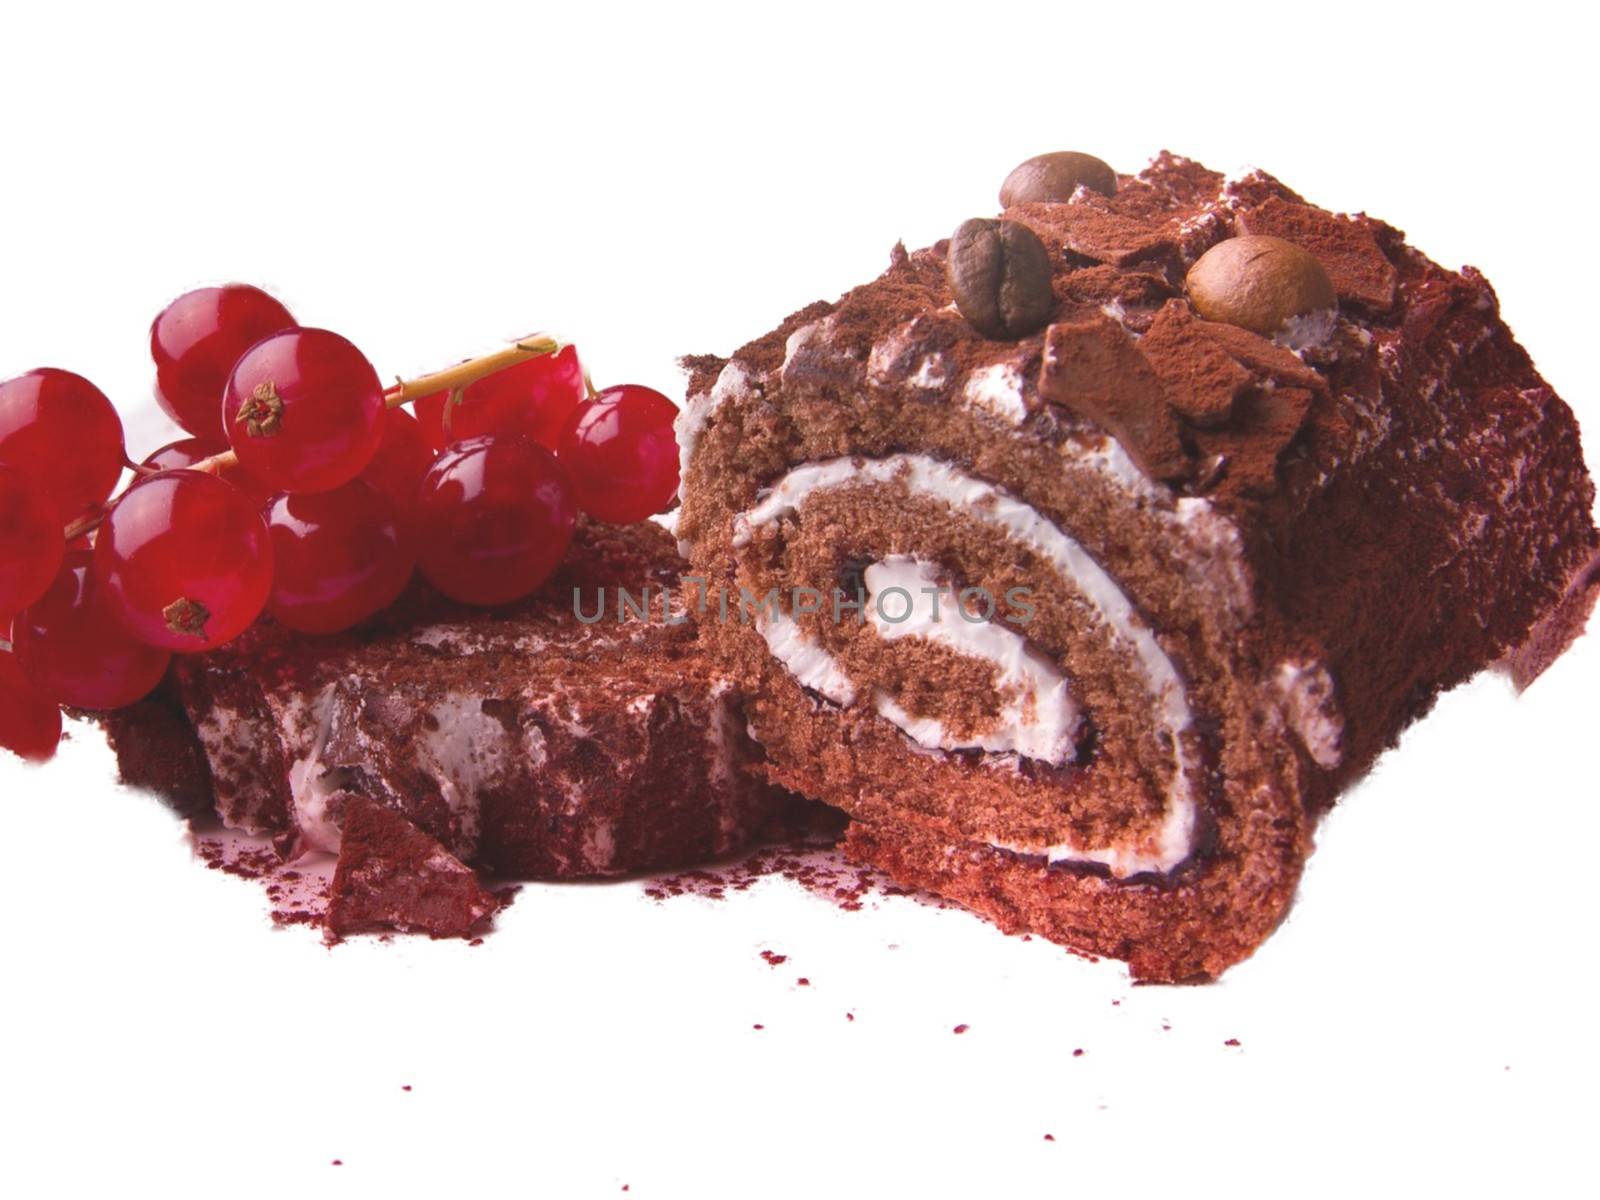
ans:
(1052, 178)
(1000, 273)
(1258, 283)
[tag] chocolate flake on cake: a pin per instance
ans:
(392, 877)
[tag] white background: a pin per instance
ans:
(662, 181)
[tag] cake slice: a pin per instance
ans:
(1085, 558)
(577, 734)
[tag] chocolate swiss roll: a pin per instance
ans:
(1084, 558)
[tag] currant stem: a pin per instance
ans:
(451, 379)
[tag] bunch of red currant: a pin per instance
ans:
(305, 490)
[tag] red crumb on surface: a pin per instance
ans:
(297, 892)
(300, 891)
(338, 1162)
(803, 981)
(823, 871)
(1049, 1137)
(960, 1029)
(1077, 1053)
(850, 1016)
(1231, 1042)
(772, 959)
(758, 1027)
(405, 1087)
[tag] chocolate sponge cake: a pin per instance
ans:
(1083, 559)
(575, 734)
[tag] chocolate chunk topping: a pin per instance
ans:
(1053, 178)
(1247, 449)
(1343, 245)
(999, 273)
(1193, 401)
(1201, 379)
(1093, 367)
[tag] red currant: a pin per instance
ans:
(195, 342)
(304, 411)
(532, 398)
(338, 558)
(402, 460)
(621, 454)
(494, 517)
(58, 429)
(183, 561)
(75, 654)
(30, 723)
(31, 544)
(174, 456)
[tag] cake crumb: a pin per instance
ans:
(1231, 1042)
(820, 869)
(405, 1087)
(802, 982)
(1078, 1053)
(959, 1029)
(1049, 1137)
(850, 1016)
(773, 959)
(758, 1027)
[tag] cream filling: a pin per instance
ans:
(732, 383)
(1307, 694)
(999, 391)
(924, 476)
(1037, 719)
(461, 754)
(804, 657)
(466, 748)
(309, 783)
(229, 740)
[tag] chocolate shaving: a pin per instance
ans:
(1193, 400)
(1263, 358)
(1344, 246)
(1096, 232)
(1094, 367)
(1201, 379)
(1247, 449)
